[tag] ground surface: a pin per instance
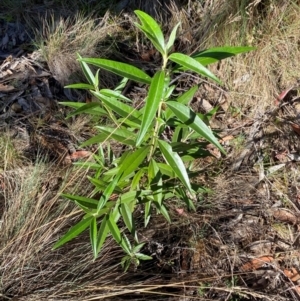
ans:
(243, 241)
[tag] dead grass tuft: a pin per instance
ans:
(62, 38)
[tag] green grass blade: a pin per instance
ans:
(190, 118)
(74, 232)
(122, 69)
(191, 64)
(174, 160)
(154, 98)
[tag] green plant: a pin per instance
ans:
(151, 169)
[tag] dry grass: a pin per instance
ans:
(255, 79)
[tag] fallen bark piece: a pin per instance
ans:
(256, 263)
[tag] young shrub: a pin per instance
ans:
(151, 170)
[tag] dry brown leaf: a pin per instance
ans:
(256, 263)
(292, 274)
(6, 88)
(284, 216)
(296, 128)
(80, 154)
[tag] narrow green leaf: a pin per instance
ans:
(143, 256)
(185, 98)
(84, 201)
(133, 161)
(108, 192)
(182, 194)
(154, 98)
(147, 213)
(80, 86)
(94, 108)
(96, 139)
(74, 232)
(188, 117)
(164, 211)
(127, 217)
(174, 160)
(136, 179)
(152, 39)
(172, 37)
(86, 70)
(122, 69)
(87, 108)
(102, 234)
(150, 26)
(115, 94)
(120, 108)
(167, 170)
(120, 134)
(113, 227)
(137, 248)
(193, 65)
(216, 54)
(155, 181)
(93, 236)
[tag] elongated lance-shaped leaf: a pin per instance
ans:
(155, 178)
(108, 192)
(115, 231)
(80, 86)
(164, 211)
(84, 201)
(174, 160)
(216, 54)
(172, 37)
(87, 108)
(93, 236)
(151, 29)
(147, 213)
(122, 135)
(102, 234)
(190, 118)
(93, 109)
(120, 108)
(154, 98)
(86, 70)
(185, 98)
(127, 217)
(133, 161)
(191, 64)
(74, 232)
(122, 69)
(115, 94)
